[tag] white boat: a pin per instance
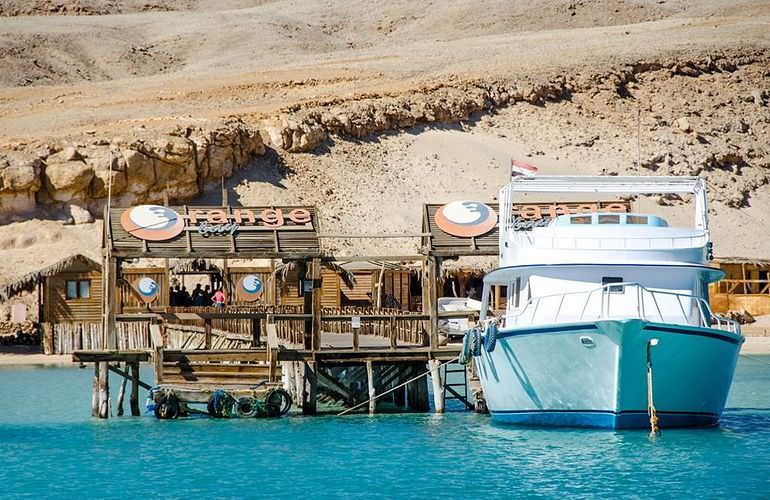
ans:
(595, 299)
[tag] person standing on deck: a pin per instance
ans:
(219, 298)
(207, 296)
(197, 296)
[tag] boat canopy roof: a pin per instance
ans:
(506, 275)
(609, 218)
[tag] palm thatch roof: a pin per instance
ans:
(29, 281)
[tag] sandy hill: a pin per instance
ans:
(370, 109)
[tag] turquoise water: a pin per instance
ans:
(50, 446)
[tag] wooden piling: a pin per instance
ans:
(95, 392)
(438, 385)
(104, 390)
(310, 390)
(121, 395)
(370, 384)
(356, 340)
(134, 397)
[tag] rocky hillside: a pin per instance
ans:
(322, 101)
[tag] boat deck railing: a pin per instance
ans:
(527, 238)
(618, 301)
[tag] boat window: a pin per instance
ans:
(581, 219)
(637, 219)
(609, 219)
(607, 280)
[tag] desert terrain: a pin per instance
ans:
(370, 109)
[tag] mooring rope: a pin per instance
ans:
(651, 411)
(398, 386)
(754, 359)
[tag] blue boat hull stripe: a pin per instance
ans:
(549, 329)
(701, 333)
(604, 412)
(591, 326)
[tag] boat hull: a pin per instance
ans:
(595, 374)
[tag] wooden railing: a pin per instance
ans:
(65, 338)
(240, 327)
(743, 287)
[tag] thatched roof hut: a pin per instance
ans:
(29, 281)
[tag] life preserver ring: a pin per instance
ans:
(490, 337)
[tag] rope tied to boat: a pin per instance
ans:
(651, 411)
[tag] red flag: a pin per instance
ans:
(521, 168)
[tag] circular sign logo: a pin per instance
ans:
(250, 288)
(147, 288)
(152, 222)
(466, 218)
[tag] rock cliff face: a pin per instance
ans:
(143, 169)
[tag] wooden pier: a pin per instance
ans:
(342, 357)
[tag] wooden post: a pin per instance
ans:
(121, 394)
(299, 380)
(207, 333)
(104, 390)
(256, 328)
(310, 389)
(370, 384)
(134, 398)
(393, 333)
(438, 385)
(430, 281)
(95, 392)
(356, 339)
(316, 306)
(157, 357)
(111, 290)
(307, 305)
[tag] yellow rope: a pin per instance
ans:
(651, 411)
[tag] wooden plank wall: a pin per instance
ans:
(59, 309)
(330, 288)
(128, 302)
(396, 285)
(264, 274)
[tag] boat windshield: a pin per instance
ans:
(609, 218)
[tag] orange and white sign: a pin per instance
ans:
(147, 288)
(249, 288)
(466, 218)
(152, 222)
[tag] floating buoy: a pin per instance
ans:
(476, 342)
(465, 352)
